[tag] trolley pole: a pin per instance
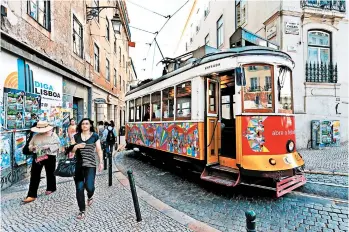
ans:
(110, 168)
(250, 221)
(134, 195)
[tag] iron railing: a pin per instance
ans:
(336, 5)
(321, 72)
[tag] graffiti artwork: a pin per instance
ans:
(267, 134)
(178, 138)
(255, 134)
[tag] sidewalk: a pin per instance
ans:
(331, 159)
(112, 209)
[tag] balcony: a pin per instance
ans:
(335, 5)
(321, 73)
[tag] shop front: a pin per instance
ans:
(105, 105)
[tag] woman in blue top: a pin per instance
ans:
(87, 143)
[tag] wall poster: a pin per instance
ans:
(20, 140)
(14, 108)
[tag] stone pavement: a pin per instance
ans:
(112, 209)
(331, 159)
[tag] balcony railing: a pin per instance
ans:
(336, 5)
(325, 73)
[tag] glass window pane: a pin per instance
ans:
(325, 55)
(183, 99)
(33, 10)
(168, 103)
(156, 105)
(313, 55)
(256, 96)
(41, 18)
(285, 94)
(42, 5)
(138, 109)
(318, 38)
(212, 97)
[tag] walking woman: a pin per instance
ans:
(87, 144)
(45, 146)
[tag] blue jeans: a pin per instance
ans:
(85, 179)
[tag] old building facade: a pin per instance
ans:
(313, 33)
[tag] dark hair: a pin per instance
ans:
(100, 123)
(71, 119)
(106, 123)
(79, 127)
(112, 124)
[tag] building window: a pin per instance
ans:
(77, 37)
(95, 3)
(267, 86)
(168, 103)
(115, 77)
(183, 98)
(131, 111)
(96, 52)
(207, 39)
(39, 10)
(254, 84)
(107, 69)
(107, 33)
(238, 14)
(120, 82)
(156, 106)
(115, 45)
(138, 109)
(220, 33)
(123, 60)
(146, 108)
(123, 85)
(319, 47)
(119, 56)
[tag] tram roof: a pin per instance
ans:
(232, 52)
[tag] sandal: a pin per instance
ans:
(89, 201)
(81, 215)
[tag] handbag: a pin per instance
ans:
(66, 168)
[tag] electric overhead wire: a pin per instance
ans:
(158, 32)
(148, 9)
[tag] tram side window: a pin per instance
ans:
(168, 103)
(183, 98)
(146, 108)
(212, 97)
(131, 110)
(138, 109)
(156, 106)
(258, 92)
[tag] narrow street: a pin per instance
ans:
(224, 208)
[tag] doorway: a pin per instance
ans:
(78, 109)
(228, 132)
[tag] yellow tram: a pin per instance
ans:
(229, 111)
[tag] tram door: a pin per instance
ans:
(228, 130)
(213, 125)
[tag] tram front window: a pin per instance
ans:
(285, 104)
(258, 92)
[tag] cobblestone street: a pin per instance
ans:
(224, 208)
(112, 210)
(332, 159)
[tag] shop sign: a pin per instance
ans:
(253, 39)
(271, 32)
(292, 28)
(100, 101)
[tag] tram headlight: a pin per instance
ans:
(290, 146)
(272, 161)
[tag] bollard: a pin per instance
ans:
(250, 221)
(134, 195)
(110, 168)
(105, 156)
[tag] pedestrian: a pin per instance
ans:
(100, 129)
(45, 147)
(87, 143)
(72, 129)
(109, 136)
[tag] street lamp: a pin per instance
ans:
(116, 22)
